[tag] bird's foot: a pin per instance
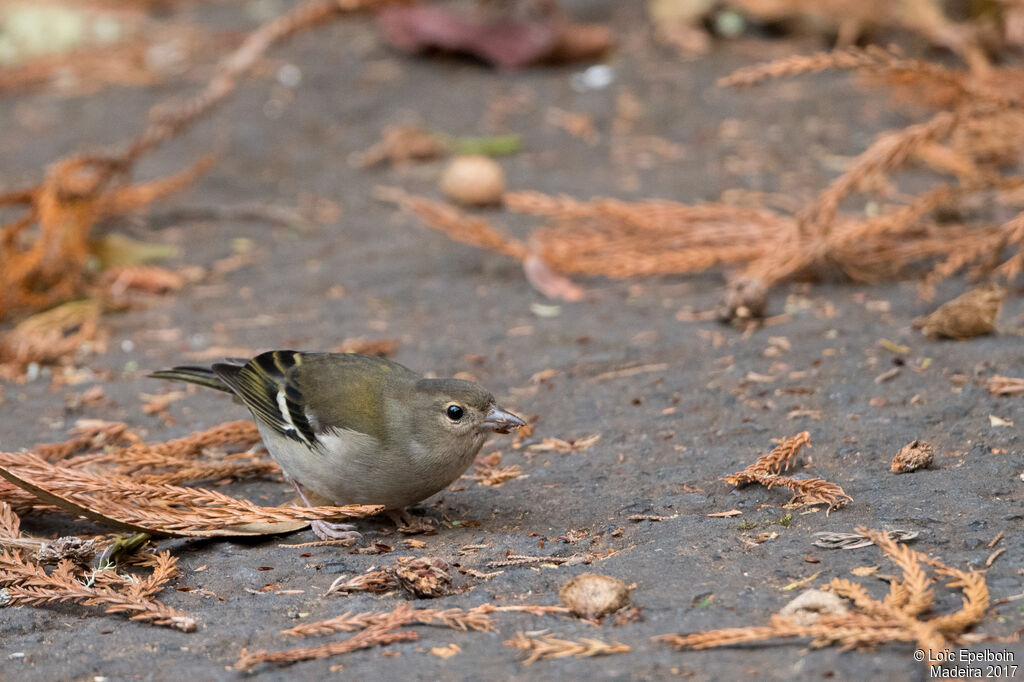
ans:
(335, 531)
(409, 524)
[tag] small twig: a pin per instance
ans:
(521, 559)
(993, 556)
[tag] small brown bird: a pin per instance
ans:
(358, 429)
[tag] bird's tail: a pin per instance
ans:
(203, 376)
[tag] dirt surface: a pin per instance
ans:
(674, 400)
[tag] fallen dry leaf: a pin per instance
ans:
(995, 421)
(445, 651)
(565, 446)
(725, 514)
(506, 43)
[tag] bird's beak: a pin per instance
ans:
(501, 421)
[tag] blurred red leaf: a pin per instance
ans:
(505, 43)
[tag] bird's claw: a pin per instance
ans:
(335, 531)
(409, 524)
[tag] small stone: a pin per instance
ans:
(592, 596)
(473, 181)
(810, 605)
(917, 454)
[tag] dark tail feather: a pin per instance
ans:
(203, 376)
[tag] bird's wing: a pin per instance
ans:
(353, 392)
(268, 386)
(305, 395)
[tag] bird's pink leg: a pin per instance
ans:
(407, 523)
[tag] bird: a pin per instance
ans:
(357, 429)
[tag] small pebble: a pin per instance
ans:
(592, 595)
(597, 77)
(473, 181)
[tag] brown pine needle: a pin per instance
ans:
(159, 509)
(24, 581)
(773, 463)
(374, 629)
(457, 619)
(870, 59)
(457, 225)
(88, 434)
(977, 136)
(844, 631)
(897, 618)
(808, 491)
(546, 647)
(375, 635)
(79, 191)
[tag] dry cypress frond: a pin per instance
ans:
(457, 619)
(534, 609)
(375, 635)
(454, 223)
(375, 582)
(159, 509)
(773, 463)
(897, 618)
(10, 523)
(26, 586)
(849, 631)
(767, 471)
(809, 491)
(375, 628)
(972, 583)
(88, 434)
(78, 191)
(545, 647)
(423, 577)
(51, 336)
(24, 581)
(214, 471)
(241, 433)
(870, 59)
(179, 460)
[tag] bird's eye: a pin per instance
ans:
(454, 412)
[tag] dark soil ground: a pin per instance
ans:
(672, 399)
